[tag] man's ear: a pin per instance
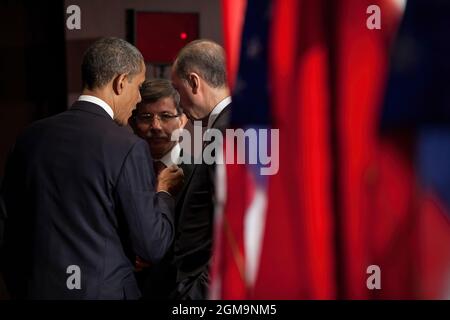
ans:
(119, 83)
(183, 120)
(194, 82)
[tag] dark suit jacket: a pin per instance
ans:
(184, 273)
(79, 191)
(193, 240)
(158, 282)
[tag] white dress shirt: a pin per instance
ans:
(98, 102)
(217, 110)
(171, 157)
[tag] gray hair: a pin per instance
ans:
(204, 57)
(107, 58)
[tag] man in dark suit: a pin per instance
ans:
(199, 76)
(80, 193)
(155, 119)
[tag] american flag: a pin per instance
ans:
(242, 208)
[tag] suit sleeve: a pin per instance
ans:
(149, 215)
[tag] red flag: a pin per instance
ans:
(233, 12)
(385, 220)
(344, 198)
(432, 253)
(228, 265)
(298, 233)
(361, 72)
(299, 223)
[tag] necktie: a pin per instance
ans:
(158, 166)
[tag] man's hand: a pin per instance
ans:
(170, 179)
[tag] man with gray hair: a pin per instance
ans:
(199, 75)
(80, 194)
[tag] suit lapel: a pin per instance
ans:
(220, 123)
(223, 119)
(188, 170)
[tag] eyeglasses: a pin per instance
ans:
(162, 118)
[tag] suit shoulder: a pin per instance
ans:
(84, 126)
(223, 119)
(124, 134)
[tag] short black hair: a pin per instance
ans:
(107, 58)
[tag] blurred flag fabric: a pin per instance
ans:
(417, 106)
(345, 196)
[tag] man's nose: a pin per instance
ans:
(155, 123)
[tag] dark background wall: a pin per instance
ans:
(32, 66)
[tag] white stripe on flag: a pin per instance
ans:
(221, 195)
(255, 218)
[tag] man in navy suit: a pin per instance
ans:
(80, 192)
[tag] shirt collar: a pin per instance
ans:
(217, 110)
(171, 157)
(98, 102)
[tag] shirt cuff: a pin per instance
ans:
(164, 191)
